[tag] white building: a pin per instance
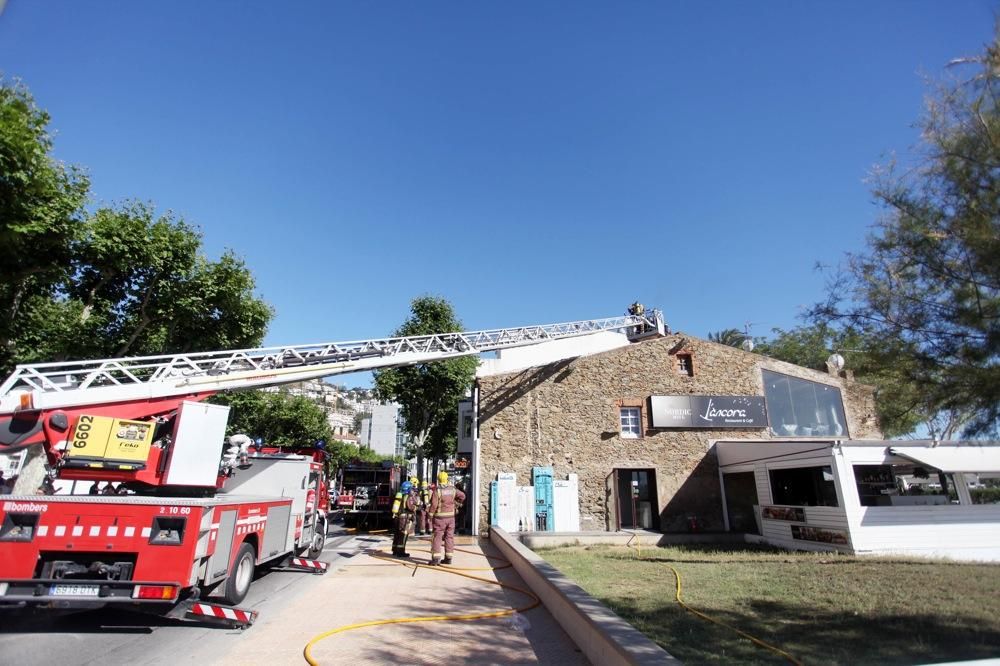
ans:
(859, 497)
(382, 432)
(341, 422)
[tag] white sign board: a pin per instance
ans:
(566, 501)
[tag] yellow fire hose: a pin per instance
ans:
(707, 618)
(768, 646)
(458, 571)
(381, 555)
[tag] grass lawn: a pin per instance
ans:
(822, 608)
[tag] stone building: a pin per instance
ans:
(645, 416)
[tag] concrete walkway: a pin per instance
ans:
(367, 588)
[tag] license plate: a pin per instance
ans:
(74, 590)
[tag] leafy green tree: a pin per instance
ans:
(140, 286)
(154, 292)
(217, 308)
(41, 200)
(443, 439)
(930, 277)
(277, 417)
(358, 418)
(809, 346)
(340, 453)
(428, 393)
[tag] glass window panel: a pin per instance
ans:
(643, 478)
(831, 410)
(904, 484)
(630, 421)
(803, 486)
(801, 408)
(779, 406)
(803, 399)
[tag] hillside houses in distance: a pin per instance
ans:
(340, 403)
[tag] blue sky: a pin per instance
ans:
(532, 162)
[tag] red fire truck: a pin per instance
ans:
(202, 516)
(200, 513)
(365, 491)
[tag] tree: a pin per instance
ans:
(428, 393)
(358, 418)
(443, 439)
(217, 308)
(139, 285)
(41, 200)
(808, 346)
(277, 417)
(930, 277)
(732, 337)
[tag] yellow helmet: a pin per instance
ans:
(414, 480)
(443, 478)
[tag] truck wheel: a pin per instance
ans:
(240, 576)
(318, 540)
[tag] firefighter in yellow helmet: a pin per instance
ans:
(637, 309)
(402, 513)
(422, 525)
(445, 502)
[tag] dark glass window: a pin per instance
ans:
(904, 484)
(685, 365)
(803, 486)
(801, 408)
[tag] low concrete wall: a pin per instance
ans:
(603, 636)
(535, 540)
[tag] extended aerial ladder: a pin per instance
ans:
(40, 402)
(195, 515)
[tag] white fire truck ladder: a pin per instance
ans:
(75, 383)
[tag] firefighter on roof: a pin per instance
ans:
(445, 501)
(637, 309)
(402, 512)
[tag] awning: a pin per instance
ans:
(952, 458)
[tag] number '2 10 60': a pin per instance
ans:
(175, 510)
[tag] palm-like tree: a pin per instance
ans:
(732, 337)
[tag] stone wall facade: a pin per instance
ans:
(566, 415)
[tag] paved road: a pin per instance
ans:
(121, 637)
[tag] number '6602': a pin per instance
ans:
(83, 428)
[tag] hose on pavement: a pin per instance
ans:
(457, 571)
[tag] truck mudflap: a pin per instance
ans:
(212, 613)
(303, 564)
(80, 593)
